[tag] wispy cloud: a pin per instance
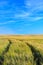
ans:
(28, 17)
(14, 12)
(37, 18)
(33, 7)
(32, 10)
(8, 22)
(22, 15)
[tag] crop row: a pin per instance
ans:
(21, 52)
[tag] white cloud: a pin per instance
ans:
(34, 5)
(22, 15)
(27, 15)
(37, 18)
(8, 22)
(18, 13)
(31, 13)
(33, 19)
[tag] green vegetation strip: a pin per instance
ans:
(18, 54)
(21, 52)
(4, 52)
(38, 58)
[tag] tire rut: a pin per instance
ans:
(36, 54)
(4, 52)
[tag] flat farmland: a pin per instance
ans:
(21, 49)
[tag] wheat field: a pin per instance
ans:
(21, 49)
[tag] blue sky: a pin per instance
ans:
(21, 16)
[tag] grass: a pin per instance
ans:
(21, 50)
(3, 45)
(19, 54)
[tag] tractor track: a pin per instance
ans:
(4, 52)
(36, 54)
